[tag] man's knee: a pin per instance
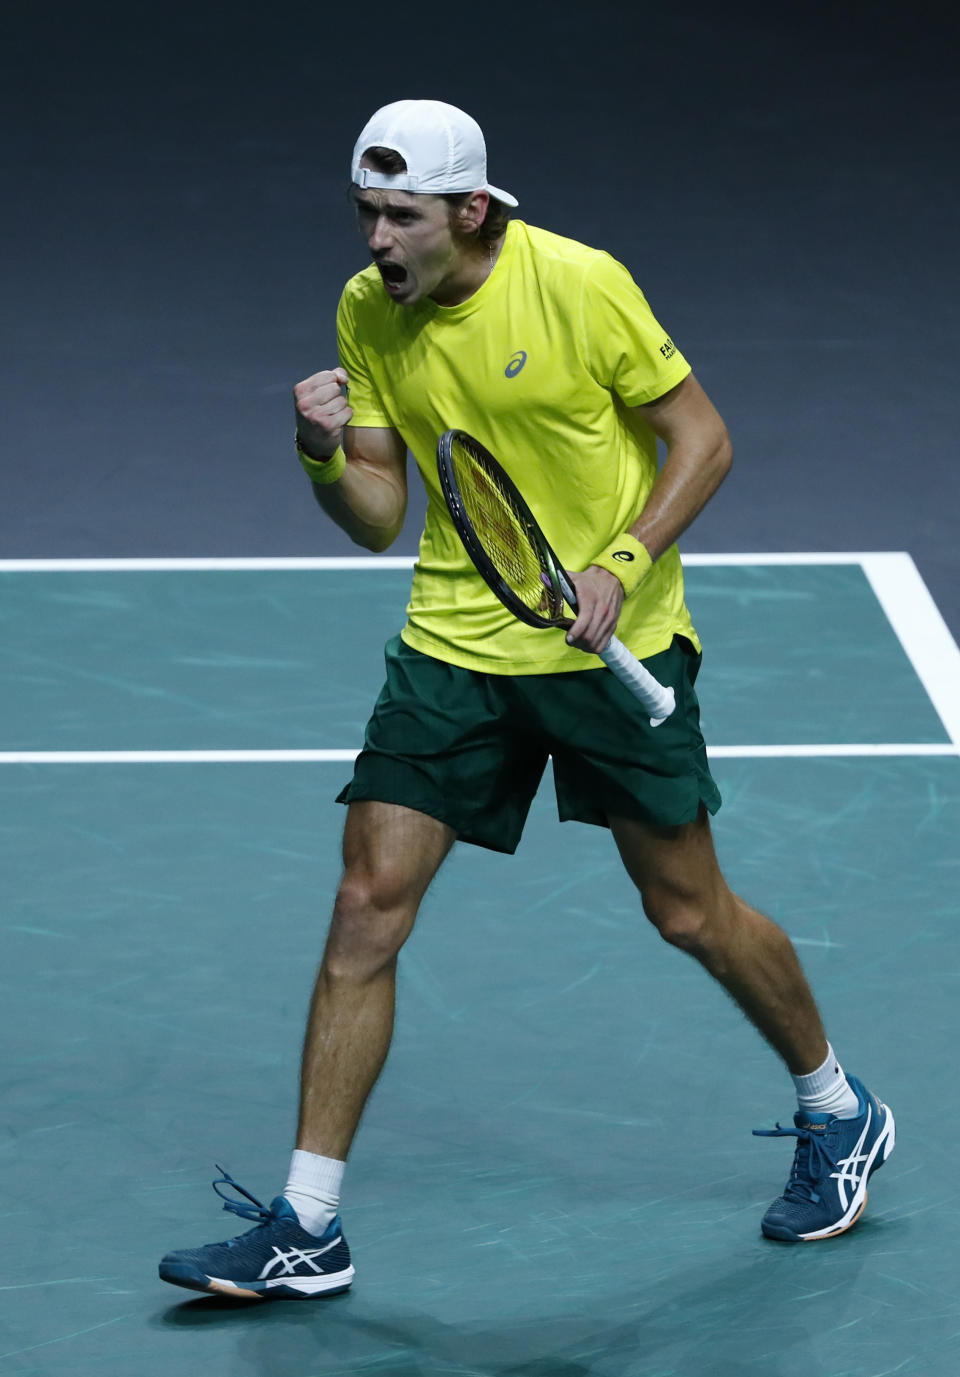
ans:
(373, 916)
(686, 919)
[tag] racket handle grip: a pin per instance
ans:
(657, 699)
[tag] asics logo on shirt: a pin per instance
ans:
(515, 364)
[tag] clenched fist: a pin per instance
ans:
(322, 412)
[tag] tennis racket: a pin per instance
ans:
(502, 537)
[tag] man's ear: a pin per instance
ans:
(471, 217)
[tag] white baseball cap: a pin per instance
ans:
(441, 145)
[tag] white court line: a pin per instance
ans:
(172, 757)
(921, 630)
(873, 748)
(204, 562)
(779, 557)
(327, 756)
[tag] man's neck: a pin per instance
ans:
(473, 273)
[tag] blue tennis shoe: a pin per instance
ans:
(834, 1160)
(276, 1259)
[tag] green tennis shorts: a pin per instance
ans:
(469, 748)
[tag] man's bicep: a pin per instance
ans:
(683, 413)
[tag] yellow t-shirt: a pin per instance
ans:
(542, 364)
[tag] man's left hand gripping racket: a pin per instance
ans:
(502, 537)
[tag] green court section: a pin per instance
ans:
(228, 659)
(281, 659)
(556, 1176)
(802, 654)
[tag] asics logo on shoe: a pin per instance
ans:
(289, 1261)
(852, 1167)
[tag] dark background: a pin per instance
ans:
(781, 182)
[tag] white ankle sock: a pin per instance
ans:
(826, 1090)
(313, 1189)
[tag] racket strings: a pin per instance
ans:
(504, 533)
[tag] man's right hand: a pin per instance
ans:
(322, 412)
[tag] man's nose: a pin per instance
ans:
(380, 237)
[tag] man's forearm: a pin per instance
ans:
(366, 493)
(688, 479)
(365, 504)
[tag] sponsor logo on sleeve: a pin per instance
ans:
(668, 349)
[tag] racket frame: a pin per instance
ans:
(659, 699)
(559, 586)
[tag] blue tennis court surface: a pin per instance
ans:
(556, 1175)
(258, 659)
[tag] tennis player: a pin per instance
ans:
(549, 354)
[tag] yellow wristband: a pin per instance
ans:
(323, 470)
(628, 559)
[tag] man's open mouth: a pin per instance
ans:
(392, 273)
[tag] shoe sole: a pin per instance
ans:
(288, 1288)
(886, 1139)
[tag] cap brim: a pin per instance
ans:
(503, 196)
